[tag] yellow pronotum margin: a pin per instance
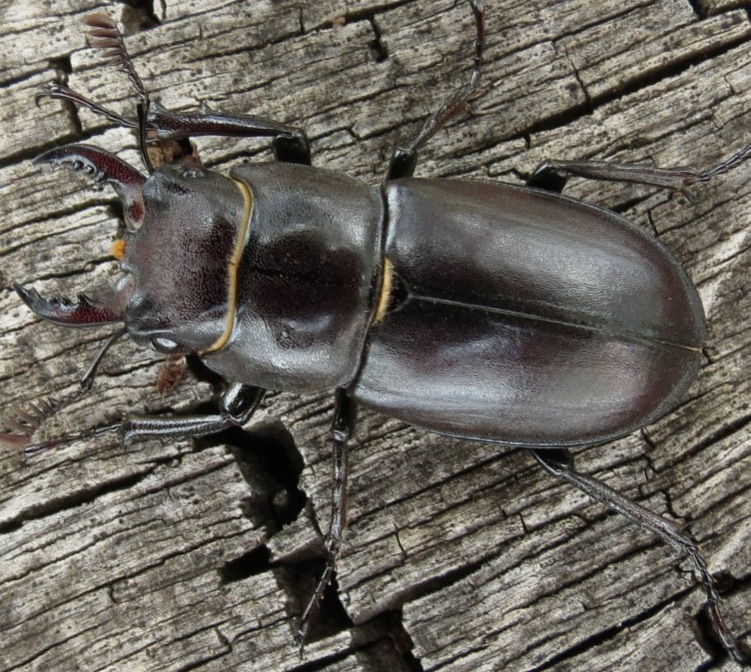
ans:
(384, 295)
(232, 270)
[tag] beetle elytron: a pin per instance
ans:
(485, 311)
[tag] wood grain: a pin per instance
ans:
(459, 556)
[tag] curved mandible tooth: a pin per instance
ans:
(103, 166)
(65, 312)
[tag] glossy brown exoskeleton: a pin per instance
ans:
(512, 315)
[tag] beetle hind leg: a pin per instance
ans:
(553, 175)
(559, 463)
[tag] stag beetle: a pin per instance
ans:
(511, 315)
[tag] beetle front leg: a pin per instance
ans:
(559, 463)
(289, 143)
(238, 404)
(342, 428)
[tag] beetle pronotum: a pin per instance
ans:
(383, 288)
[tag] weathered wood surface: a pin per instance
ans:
(459, 556)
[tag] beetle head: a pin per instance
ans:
(182, 259)
(184, 233)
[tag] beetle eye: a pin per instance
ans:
(165, 345)
(191, 172)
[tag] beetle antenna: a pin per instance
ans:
(27, 421)
(104, 34)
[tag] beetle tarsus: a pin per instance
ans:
(62, 92)
(559, 463)
(34, 449)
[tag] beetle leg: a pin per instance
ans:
(404, 159)
(62, 92)
(560, 463)
(342, 428)
(547, 178)
(290, 144)
(553, 175)
(238, 404)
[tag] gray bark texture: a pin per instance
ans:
(459, 556)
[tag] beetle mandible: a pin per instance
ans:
(512, 315)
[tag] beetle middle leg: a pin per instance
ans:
(342, 427)
(559, 463)
(404, 159)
